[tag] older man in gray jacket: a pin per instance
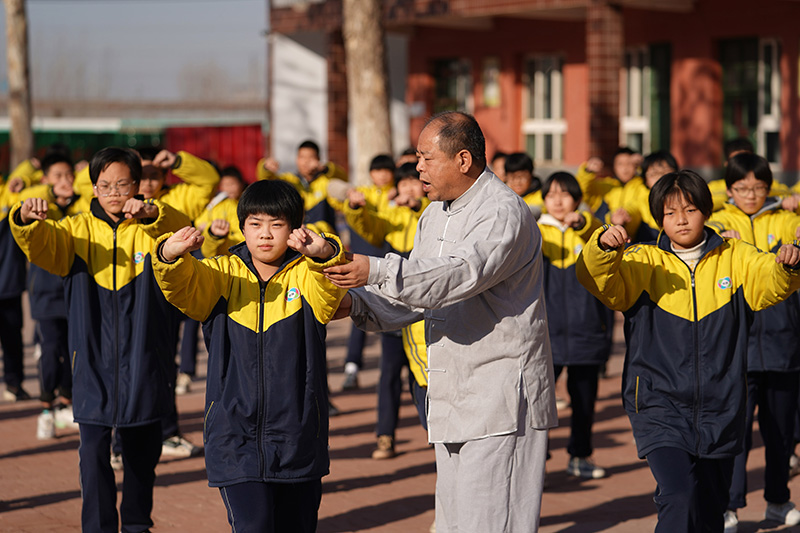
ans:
(475, 274)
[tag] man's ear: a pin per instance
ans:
(464, 160)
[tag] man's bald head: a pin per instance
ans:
(458, 131)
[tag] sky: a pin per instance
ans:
(144, 49)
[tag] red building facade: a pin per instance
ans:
(568, 79)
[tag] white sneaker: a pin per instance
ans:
(65, 419)
(585, 468)
(183, 384)
(46, 425)
(731, 521)
(178, 446)
(783, 513)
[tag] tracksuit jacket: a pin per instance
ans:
(121, 328)
(775, 333)
(579, 324)
(266, 412)
(12, 260)
(46, 290)
(684, 383)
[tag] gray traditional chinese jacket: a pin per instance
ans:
(475, 274)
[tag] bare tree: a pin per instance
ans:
(19, 86)
(367, 81)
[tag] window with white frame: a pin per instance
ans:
(452, 85)
(634, 123)
(751, 84)
(543, 124)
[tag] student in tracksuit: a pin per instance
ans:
(264, 310)
(580, 337)
(688, 300)
(392, 224)
(121, 331)
(47, 304)
(773, 353)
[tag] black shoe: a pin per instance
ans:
(350, 381)
(15, 394)
(332, 410)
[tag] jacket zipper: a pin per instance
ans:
(758, 327)
(261, 392)
(564, 294)
(115, 307)
(696, 366)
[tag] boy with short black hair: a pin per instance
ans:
(264, 310)
(121, 331)
(519, 177)
(773, 353)
(686, 400)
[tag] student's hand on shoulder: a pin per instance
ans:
(164, 159)
(135, 208)
(272, 165)
(614, 237)
(788, 255)
(620, 216)
(351, 275)
(344, 308)
(594, 165)
(791, 203)
(731, 234)
(356, 199)
(310, 244)
(15, 184)
(574, 220)
(33, 209)
(184, 240)
(219, 228)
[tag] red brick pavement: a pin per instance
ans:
(39, 490)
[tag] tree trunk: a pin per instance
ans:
(367, 82)
(19, 87)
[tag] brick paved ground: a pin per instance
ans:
(39, 489)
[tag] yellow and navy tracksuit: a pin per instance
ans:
(225, 210)
(684, 380)
(320, 215)
(121, 329)
(396, 226)
(642, 227)
(719, 191)
(28, 173)
(775, 333)
(578, 322)
(46, 290)
(12, 260)
(595, 189)
(266, 412)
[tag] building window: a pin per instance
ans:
(645, 107)
(452, 85)
(543, 124)
(751, 84)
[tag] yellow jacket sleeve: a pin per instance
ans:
(169, 220)
(366, 223)
(608, 276)
(323, 296)
(766, 282)
(46, 243)
(192, 286)
(28, 173)
(199, 179)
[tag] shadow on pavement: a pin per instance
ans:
(383, 479)
(37, 501)
(376, 515)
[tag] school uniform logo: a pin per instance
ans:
(770, 239)
(578, 248)
(724, 283)
(138, 257)
(292, 294)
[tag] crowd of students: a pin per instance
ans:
(119, 260)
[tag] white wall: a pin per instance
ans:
(299, 105)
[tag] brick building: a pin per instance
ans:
(564, 79)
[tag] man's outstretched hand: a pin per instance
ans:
(351, 275)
